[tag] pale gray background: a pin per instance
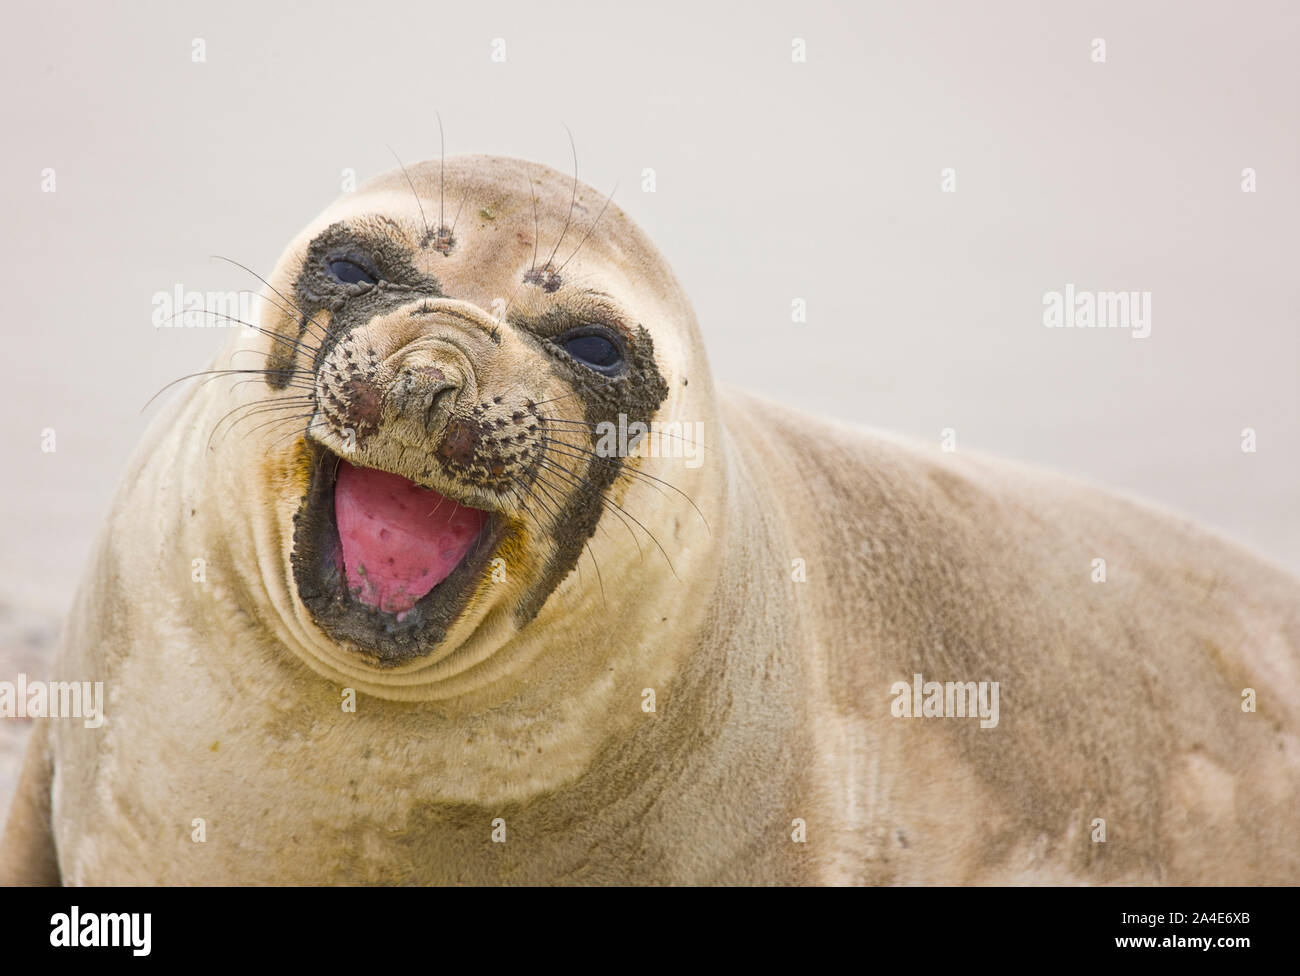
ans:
(775, 180)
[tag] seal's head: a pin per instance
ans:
(469, 378)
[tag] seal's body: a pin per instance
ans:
(568, 666)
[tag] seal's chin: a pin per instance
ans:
(385, 565)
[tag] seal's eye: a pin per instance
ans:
(594, 347)
(349, 272)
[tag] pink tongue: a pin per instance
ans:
(399, 540)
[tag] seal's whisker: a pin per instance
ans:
(598, 386)
(521, 504)
(441, 498)
(506, 311)
(273, 401)
(280, 372)
(306, 397)
(583, 484)
(324, 331)
(633, 472)
(587, 425)
(309, 387)
(296, 344)
(532, 266)
(261, 406)
(537, 521)
(480, 541)
(442, 169)
(591, 553)
(649, 481)
(589, 230)
(550, 511)
(526, 280)
(269, 423)
(555, 496)
(537, 234)
(212, 435)
(213, 374)
(297, 433)
(555, 520)
(305, 317)
(580, 485)
(586, 490)
(572, 202)
(320, 332)
(413, 191)
(590, 491)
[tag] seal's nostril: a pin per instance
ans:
(440, 408)
(426, 394)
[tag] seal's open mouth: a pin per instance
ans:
(385, 564)
(399, 540)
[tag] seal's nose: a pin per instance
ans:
(424, 389)
(398, 380)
